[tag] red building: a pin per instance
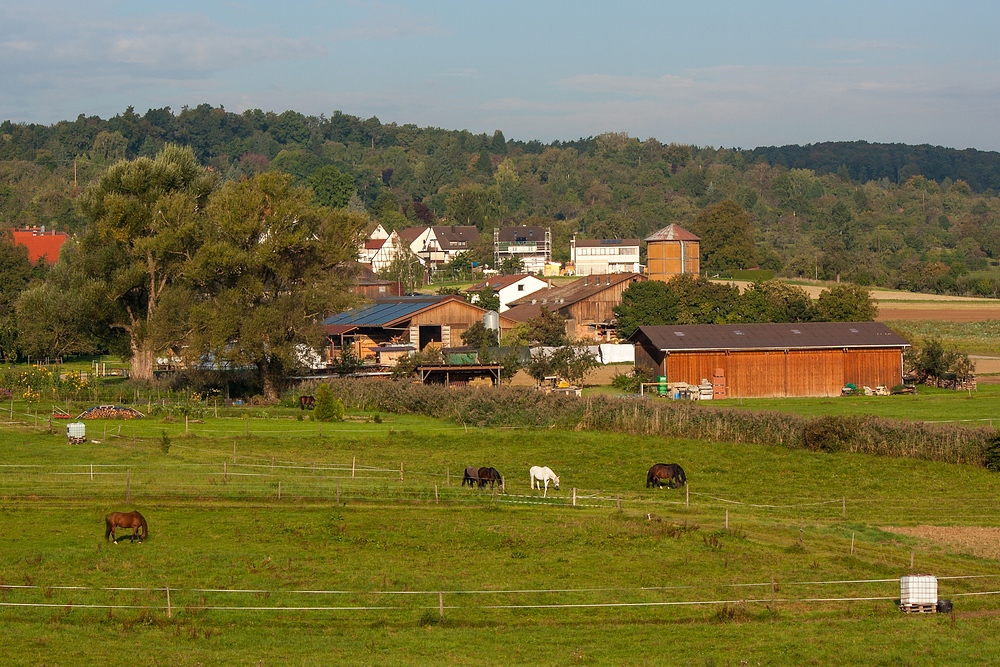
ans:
(40, 243)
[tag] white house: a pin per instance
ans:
(436, 246)
(379, 252)
(604, 256)
(509, 288)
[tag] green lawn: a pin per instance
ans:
(217, 525)
(978, 408)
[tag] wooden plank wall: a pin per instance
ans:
(761, 374)
(663, 259)
(598, 307)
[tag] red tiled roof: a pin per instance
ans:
(40, 243)
(374, 244)
(496, 282)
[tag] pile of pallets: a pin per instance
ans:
(111, 412)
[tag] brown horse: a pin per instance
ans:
(471, 476)
(490, 475)
(132, 520)
(670, 474)
(307, 402)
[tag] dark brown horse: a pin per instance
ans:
(471, 476)
(307, 402)
(490, 475)
(669, 474)
(132, 520)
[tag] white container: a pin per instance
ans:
(918, 589)
(76, 430)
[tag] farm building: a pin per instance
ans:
(774, 360)
(672, 251)
(415, 321)
(587, 304)
(370, 286)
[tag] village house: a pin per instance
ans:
(603, 256)
(773, 360)
(380, 249)
(509, 288)
(437, 246)
(587, 304)
(40, 243)
(531, 245)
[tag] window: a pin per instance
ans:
(520, 288)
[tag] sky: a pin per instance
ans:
(710, 73)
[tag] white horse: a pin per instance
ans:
(542, 475)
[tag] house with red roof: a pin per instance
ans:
(41, 244)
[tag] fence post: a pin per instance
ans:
(727, 519)
(852, 544)
(441, 603)
(169, 612)
(91, 472)
(435, 493)
(354, 460)
(185, 424)
(574, 497)
(400, 471)
(843, 509)
(687, 496)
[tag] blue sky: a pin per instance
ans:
(708, 73)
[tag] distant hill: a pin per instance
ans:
(897, 162)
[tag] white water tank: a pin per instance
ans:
(491, 320)
(918, 589)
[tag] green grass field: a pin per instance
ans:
(241, 527)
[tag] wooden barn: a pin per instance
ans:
(407, 320)
(587, 304)
(773, 360)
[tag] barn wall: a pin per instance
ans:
(663, 259)
(761, 374)
(647, 356)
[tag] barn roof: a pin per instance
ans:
(385, 311)
(578, 290)
(672, 233)
(497, 282)
(805, 335)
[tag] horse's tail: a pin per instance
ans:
(107, 527)
(145, 528)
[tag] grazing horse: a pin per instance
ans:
(471, 476)
(132, 520)
(540, 475)
(307, 402)
(670, 474)
(490, 475)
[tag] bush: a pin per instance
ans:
(164, 442)
(328, 408)
(991, 457)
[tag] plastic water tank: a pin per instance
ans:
(76, 430)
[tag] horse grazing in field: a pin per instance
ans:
(490, 475)
(307, 402)
(669, 474)
(540, 475)
(471, 476)
(132, 520)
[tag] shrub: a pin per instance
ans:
(991, 457)
(164, 442)
(328, 407)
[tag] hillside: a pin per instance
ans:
(917, 218)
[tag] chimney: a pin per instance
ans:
(549, 281)
(586, 281)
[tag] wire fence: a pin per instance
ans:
(178, 600)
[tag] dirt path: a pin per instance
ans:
(973, 540)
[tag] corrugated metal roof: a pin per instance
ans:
(672, 233)
(769, 336)
(384, 311)
(578, 290)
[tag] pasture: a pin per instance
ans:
(343, 543)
